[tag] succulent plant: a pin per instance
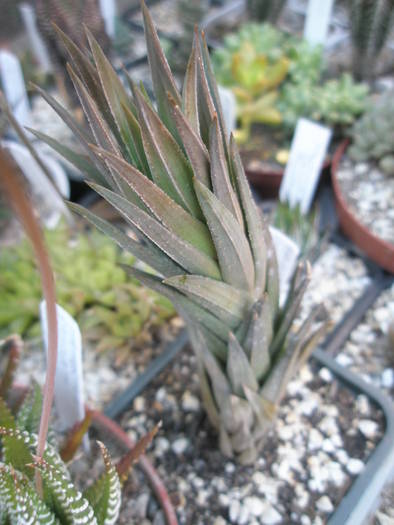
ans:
(373, 134)
(112, 309)
(265, 10)
(336, 102)
(370, 25)
(179, 183)
(59, 501)
(301, 228)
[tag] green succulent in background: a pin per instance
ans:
(336, 103)
(301, 228)
(179, 183)
(260, 52)
(370, 24)
(373, 135)
(256, 80)
(111, 308)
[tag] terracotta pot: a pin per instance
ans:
(266, 181)
(378, 250)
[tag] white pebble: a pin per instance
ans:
(344, 360)
(354, 466)
(190, 403)
(270, 516)
(387, 378)
(324, 504)
(368, 428)
(254, 505)
(180, 445)
(325, 374)
(234, 510)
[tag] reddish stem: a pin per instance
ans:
(154, 479)
(13, 188)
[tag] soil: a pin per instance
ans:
(370, 196)
(204, 484)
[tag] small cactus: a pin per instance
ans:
(373, 135)
(370, 25)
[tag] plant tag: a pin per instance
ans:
(317, 21)
(287, 253)
(13, 83)
(227, 100)
(37, 43)
(308, 150)
(69, 395)
(108, 12)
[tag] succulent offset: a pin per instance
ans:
(373, 135)
(61, 502)
(179, 183)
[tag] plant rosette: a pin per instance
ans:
(119, 444)
(364, 197)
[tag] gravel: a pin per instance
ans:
(370, 195)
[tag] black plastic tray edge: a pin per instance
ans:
(363, 494)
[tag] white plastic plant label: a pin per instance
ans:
(69, 395)
(287, 253)
(227, 100)
(307, 154)
(13, 84)
(317, 21)
(38, 47)
(108, 12)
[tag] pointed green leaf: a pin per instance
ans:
(169, 166)
(142, 162)
(14, 451)
(259, 337)
(220, 178)
(115, 95)
(221, 299)
(163, 81)
(220, 385)
(272, 273)
(253, 220)
(20, 500)
(184, 305)
(195, 149)
(239, 370)
(81, 162)
(180, 251)
(29, 414)
(72, 505)
(145, 251)
(100, 130)
(170, 214)
(105, 494)
(211, 80)
(232, 247)
(206, 107)
(207, 397)
(189, 93)
(301, 282)
(81, 135)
